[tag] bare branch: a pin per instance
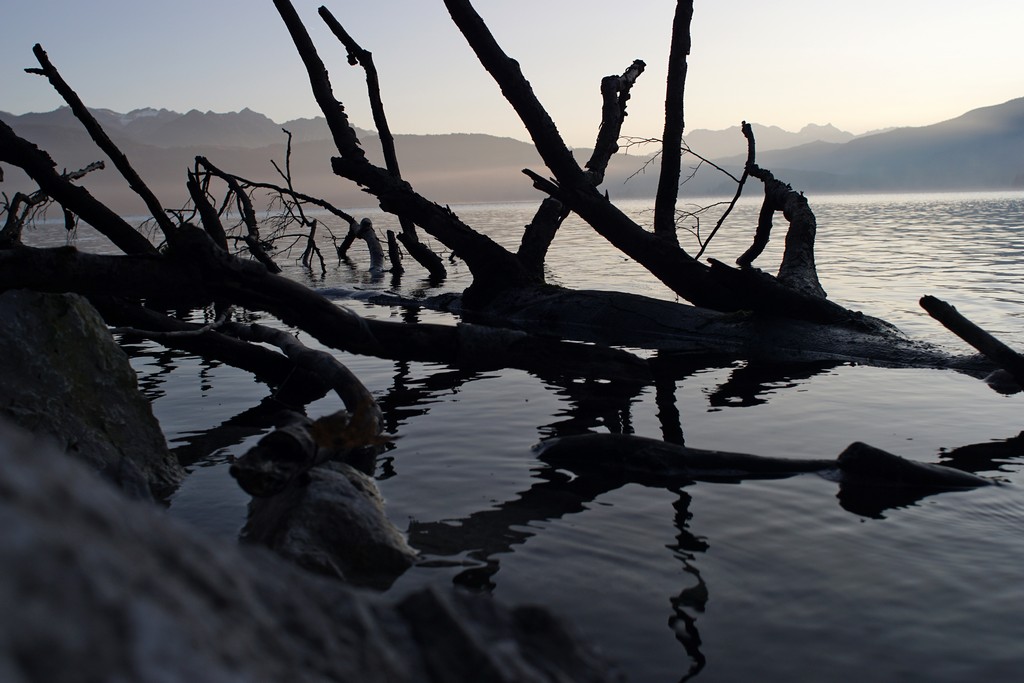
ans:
(22, 207)
(40, 167)
(101, 139)
(797, 270)
(614, 94)
(245, 208)
(995, 350)
(337, 120)
(672, 138)
(748, 133)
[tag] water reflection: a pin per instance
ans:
(199, 447)
(478, 541)
(751, 384)
(991, 456)
(693, 599)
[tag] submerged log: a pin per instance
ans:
(631, 320)
(635, 457)
(647, 460)
(882, 468)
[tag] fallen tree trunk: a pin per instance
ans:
(622, 319)
(197, 273)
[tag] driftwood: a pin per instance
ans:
(870, 480)
(993, 349)
(506, 288)
(22, 208)
(672, 138)
(247, 211)
(363, 230)
(286, 454)
(648, 459)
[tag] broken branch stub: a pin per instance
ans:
(993, 349)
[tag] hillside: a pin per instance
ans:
(982, 149)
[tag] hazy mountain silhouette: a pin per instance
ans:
(720, 144)
(984, 148)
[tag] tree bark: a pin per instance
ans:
(538, 235)
(672, 138)
(798, 270)
(993, 349)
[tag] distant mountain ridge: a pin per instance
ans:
(983, 148)
(165, 128)
(718, 144)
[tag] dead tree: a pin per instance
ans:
(496, 271)
(713, 287)
(195, 267)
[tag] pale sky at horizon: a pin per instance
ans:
(860, 66)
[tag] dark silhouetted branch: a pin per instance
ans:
(38, 165)
(494, 268)
(101, 139)
(23, 206)
(748, 133)
(337, 120)
(614, 96)
(993, 349)
(798, 270)
(248, 213)
(672, 138)
(538, 234)
(207, 213)
(517, 91)
(364, 58)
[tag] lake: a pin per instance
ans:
(765, 580)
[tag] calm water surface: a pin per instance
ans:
(759, 581)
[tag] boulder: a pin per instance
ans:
(332, 521)
(65, 377)
(98, 587)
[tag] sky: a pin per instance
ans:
(860, 66)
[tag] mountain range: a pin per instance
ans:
(982, 149)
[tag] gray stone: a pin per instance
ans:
(64, 376)
(101, 588)
(332, 522)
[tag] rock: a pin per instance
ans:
(64, 376)
(100, 588)
(332, 522)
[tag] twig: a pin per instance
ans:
(748, 133)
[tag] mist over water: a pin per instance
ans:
(771, 580)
